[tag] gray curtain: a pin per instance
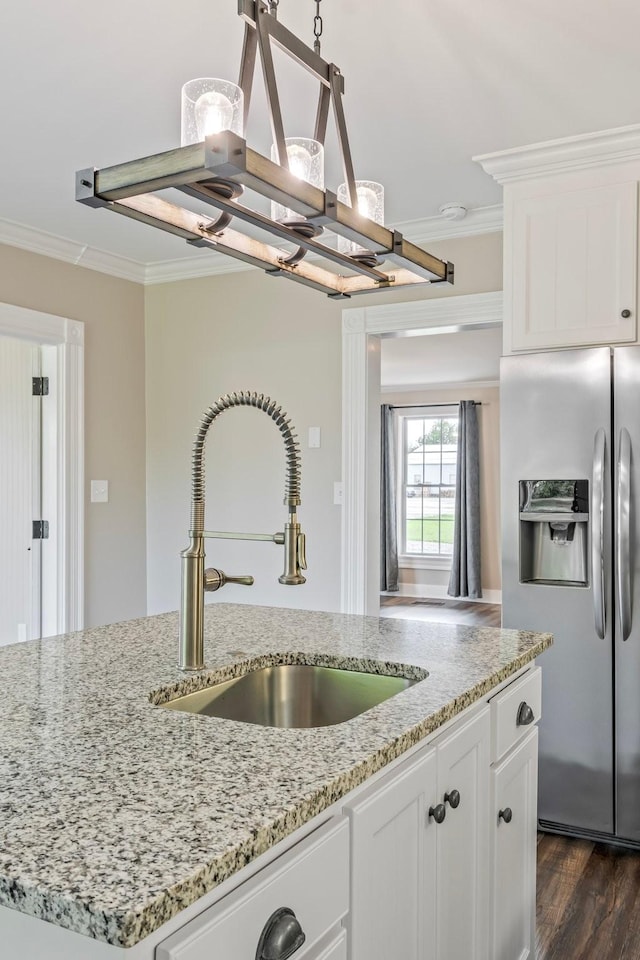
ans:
(388, 530)
(465, 579)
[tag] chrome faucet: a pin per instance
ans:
(195, 579)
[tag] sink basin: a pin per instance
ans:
(299, 695)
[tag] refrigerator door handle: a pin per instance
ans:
(597, 533)
(623, 534)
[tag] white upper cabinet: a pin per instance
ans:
(571, 240)
(573, 267)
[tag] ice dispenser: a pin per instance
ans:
(554, 532)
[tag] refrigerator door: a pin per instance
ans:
(626, 404)
(555, 411)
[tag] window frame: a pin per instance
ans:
(424, 561)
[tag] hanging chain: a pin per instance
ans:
(317, 28)
(273, 8)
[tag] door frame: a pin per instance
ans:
(362, 330)
(65, 575)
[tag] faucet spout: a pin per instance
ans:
(195, 580)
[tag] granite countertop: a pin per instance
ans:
(115, 814)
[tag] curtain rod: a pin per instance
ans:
(414, 406)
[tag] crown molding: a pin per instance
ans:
(209, 263)
(561, 156)
(477, 221)
(59, 248)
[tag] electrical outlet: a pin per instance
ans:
(99, 491)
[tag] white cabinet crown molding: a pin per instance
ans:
(564, 155)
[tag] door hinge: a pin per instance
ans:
(40, 530)
(40, 386)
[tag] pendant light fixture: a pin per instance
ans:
(215, 165)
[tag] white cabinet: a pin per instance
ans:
(513, 852)
(418, 885)
(570, 240)
(393, 843)
(572, 265)
(513, 817)
(462, 842)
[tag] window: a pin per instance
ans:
(429, 455)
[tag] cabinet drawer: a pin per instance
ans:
(312, 879)
(508, 724)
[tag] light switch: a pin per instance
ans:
(337, 493)
(99, 491)
(314, 437)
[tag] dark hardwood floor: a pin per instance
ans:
(588, 901)
(441, 611)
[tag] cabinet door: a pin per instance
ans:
(463, 842)
(513, 839)
(572, 267)
(393, 866)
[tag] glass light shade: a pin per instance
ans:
(210, 106)
(370, 204)
(306, 161)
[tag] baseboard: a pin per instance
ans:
(438, 591)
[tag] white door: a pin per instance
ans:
(513, 840)
(463, 848)
(394, 866)
(20, 493)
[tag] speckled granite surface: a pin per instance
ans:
(115, 813)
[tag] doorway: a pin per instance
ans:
(42, 471)
(363, 332)
(423, 380)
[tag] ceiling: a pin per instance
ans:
(441, 358)
(428, 86)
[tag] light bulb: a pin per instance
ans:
(214, 112)
(299, 161)
(367, 202)
(305, 158)
(209, 106)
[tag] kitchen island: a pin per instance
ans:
(118, 815)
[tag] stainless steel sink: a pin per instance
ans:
(293, 696)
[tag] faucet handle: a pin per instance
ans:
(302, 551)
(214, 579)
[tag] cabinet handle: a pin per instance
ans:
(438, 812)
(525, 715)
(506, 815)
(281, 936)
(453, 799)
(625, 314)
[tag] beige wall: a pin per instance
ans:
(247, 331)
(489, 434)
(113, 313)
(242, 331)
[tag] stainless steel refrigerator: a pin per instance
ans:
(570, 491)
